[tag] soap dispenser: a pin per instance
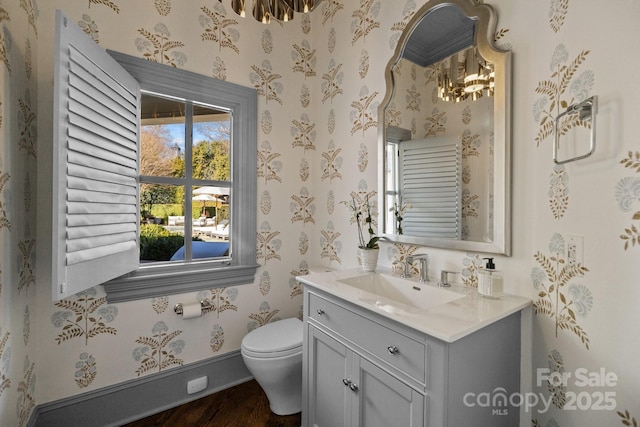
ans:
(490, 283)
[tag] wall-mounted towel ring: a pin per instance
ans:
(587, 111)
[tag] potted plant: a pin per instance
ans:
(398, 210)
(368, 248)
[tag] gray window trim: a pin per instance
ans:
(241, 267)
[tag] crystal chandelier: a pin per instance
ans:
(281, 10)
(465, 75)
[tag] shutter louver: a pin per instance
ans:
(431, 182)
(96, 157)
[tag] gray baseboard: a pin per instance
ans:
(132, 400)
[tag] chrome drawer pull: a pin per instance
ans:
(320, 311)
(393, 350)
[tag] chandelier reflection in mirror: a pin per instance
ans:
(265, 10)
(465, 75)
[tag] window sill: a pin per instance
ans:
(150, 283)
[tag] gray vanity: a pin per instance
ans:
(373, 358)
(382, 351)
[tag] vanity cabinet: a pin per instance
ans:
(363, 369)
(349, 390)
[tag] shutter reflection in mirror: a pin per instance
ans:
(430, 179)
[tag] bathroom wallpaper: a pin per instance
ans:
(320, 79)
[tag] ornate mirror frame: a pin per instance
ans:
(485, 25)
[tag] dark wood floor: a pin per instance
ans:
(244, 405)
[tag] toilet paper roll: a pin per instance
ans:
(191, 311)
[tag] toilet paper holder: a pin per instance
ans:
(205, 307)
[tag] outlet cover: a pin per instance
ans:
(575, 250)
(197, 385)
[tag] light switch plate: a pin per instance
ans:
(575, 250)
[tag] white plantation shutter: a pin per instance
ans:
(95, 207)
(430, 176)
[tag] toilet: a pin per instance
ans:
(273, 355)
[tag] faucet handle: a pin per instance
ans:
(444, 278)
(424, 269)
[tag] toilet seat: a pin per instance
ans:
(276, 339)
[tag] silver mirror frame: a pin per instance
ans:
(484, 35)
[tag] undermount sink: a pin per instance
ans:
(404, 291)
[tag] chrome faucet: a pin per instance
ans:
(405, 267)
(444, 278)
(424, 266)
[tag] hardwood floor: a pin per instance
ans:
(244, 405)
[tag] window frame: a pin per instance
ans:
(240, 267)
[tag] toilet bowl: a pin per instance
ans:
(273, 355)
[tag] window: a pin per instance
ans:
(109, 210)
(185, 181)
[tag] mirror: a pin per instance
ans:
(444, 169)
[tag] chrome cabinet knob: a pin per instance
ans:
(393, 350)
(320, 311)
(346, 382)
(353, 387)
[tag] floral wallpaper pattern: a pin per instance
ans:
(221, 299)
(218, 28)
(364, 111)
(365, 19)
(628, 194)
(159, 304)
(156, 46)
(26, 392)
(89, 27)
(553, 102)
(159, 350)
(266, 82)
(84, 317)
(558, 297)
(112, 5)
(26, 121)
(262, 317)
(31, 10)
(557, 14)
(320, 80)
(4, 219)
(5, 355)
(86, 370)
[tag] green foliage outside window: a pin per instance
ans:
(159, 244)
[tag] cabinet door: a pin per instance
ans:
(383, 400)
(328, 370)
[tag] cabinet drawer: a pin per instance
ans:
(401, 352)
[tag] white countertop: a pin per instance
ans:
(448, 322)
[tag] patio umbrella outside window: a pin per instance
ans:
(221, 194)
(205, 198)
(212, 191)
